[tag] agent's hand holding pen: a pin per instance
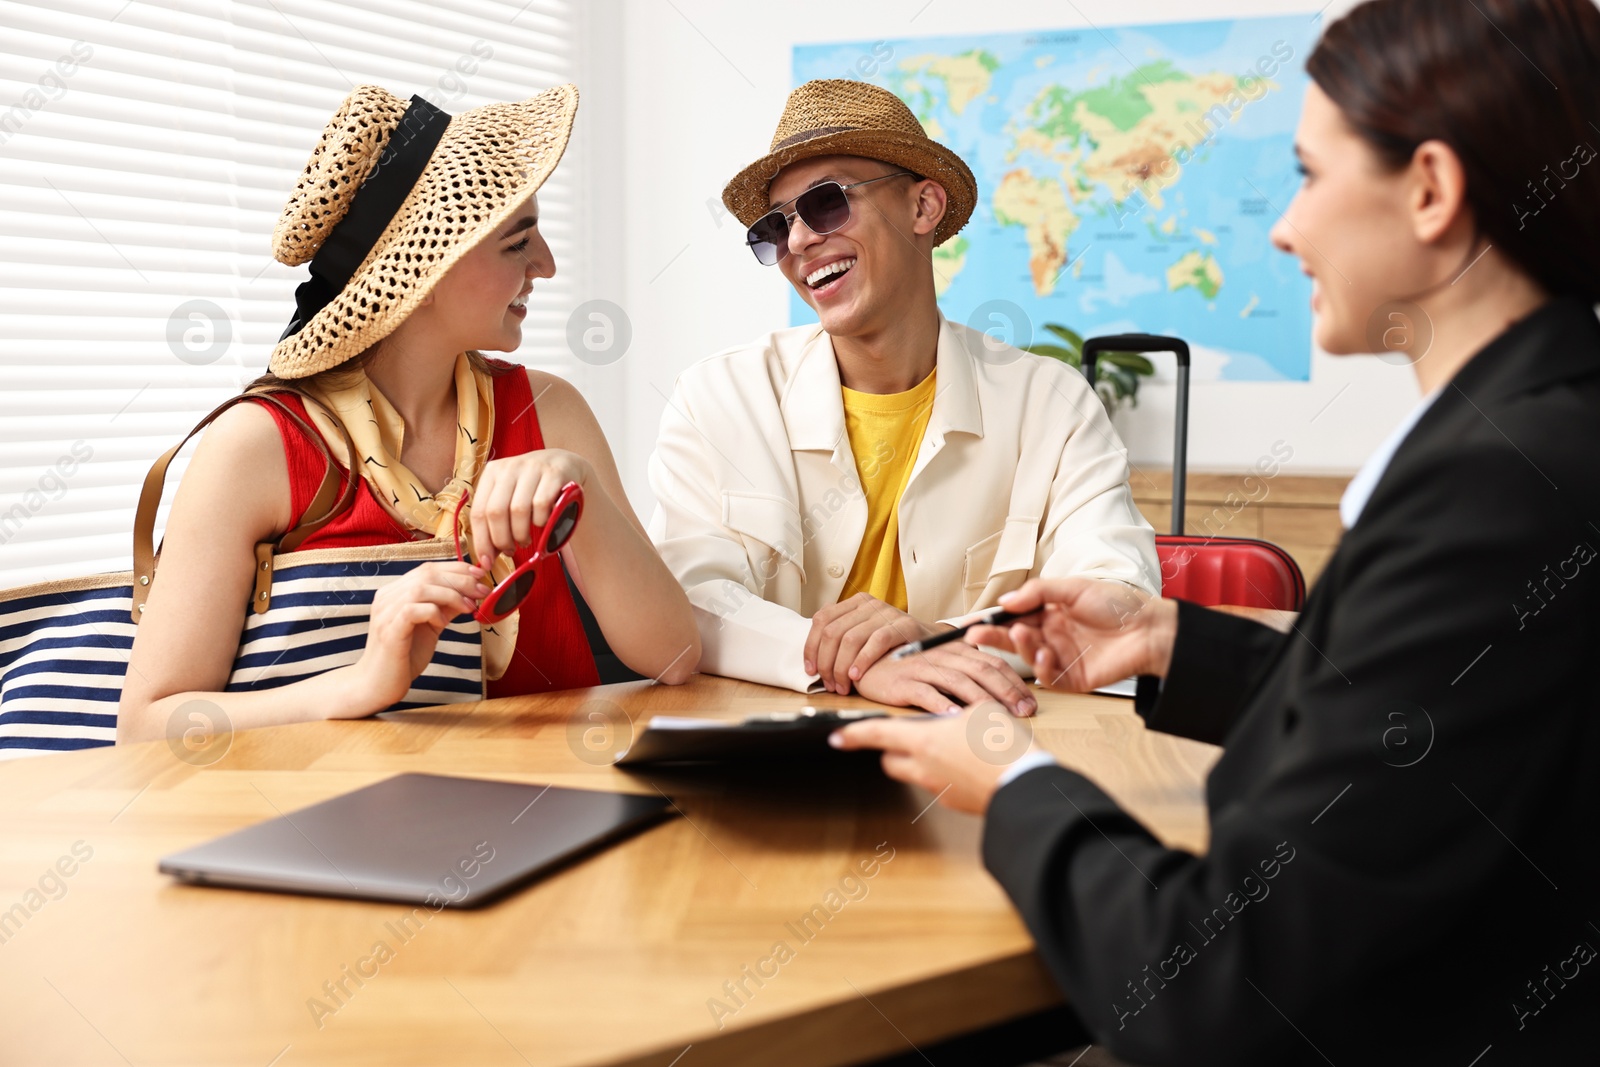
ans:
(1083, 633)
(1079, 633)
(849, 642)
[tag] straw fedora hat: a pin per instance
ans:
(840, 117)
(394, 194)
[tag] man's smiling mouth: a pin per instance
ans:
(825, 273)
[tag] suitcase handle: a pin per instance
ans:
(1145, 342)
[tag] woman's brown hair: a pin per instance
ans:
(1511, 87)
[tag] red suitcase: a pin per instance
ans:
(1206, 570)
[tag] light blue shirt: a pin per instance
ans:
(1361, 486)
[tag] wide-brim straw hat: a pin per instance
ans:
(487, 161)
(841, 117)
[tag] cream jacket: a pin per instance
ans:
(760, 511)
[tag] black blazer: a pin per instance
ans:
(1403, 863)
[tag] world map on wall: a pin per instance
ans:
(1128, 178)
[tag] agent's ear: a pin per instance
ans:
(932, 203)
(1438, 191)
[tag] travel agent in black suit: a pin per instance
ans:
(1402, 864)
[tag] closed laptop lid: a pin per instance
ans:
(442, 841)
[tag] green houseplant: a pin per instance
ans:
(1117, 374)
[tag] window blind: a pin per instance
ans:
(146, 149)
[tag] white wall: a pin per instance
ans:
(703, 83)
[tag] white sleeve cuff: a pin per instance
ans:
(1033, 759)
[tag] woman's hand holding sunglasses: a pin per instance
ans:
(515, 495)
(408, 615)
(526, 507)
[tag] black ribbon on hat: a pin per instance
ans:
(371, 210)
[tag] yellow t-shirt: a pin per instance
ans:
(885, 433)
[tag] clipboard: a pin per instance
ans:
(800, 734)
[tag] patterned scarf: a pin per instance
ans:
(379, 435)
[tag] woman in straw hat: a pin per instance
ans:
(422, 235)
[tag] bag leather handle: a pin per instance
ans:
(327, 504)
(323, 505)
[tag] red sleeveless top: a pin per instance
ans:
(552, 651)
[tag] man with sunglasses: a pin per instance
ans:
(829, 493)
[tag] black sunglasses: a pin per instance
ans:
(823, 208)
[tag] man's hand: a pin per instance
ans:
(847, 638)
(942, 679)
(1083, 633)
(940, 756)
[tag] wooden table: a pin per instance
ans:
(623, 959)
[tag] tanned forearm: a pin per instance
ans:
(334, 694)
(640, 606)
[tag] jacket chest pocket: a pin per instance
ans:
(1012, 548)
(769, 528)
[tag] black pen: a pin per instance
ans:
(991, 617)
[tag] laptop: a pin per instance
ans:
(421, 838)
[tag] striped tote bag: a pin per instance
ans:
(64, 645)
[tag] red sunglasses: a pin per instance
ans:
(548, 539)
